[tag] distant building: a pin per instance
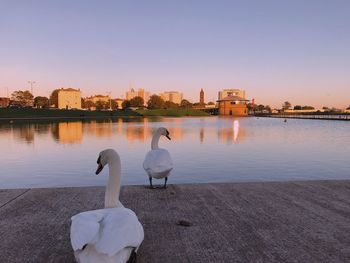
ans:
(233, 106)
(231, 92)
(97, 98)
(130, 94)
(201, 97)
(173, 96)
(68, 99)
(4, 102)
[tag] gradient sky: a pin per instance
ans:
(275, 50)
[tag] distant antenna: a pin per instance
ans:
(31, 82)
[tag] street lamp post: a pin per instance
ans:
(31, 82)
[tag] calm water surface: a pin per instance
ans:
(213, 149)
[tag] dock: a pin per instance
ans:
(233, 222)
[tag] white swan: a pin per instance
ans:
(158, 163)
(106, 235)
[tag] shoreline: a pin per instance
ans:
(54, 114)
(340, 117)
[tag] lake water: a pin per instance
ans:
(211, 149)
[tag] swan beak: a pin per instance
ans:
(99, 168)
(168, 136)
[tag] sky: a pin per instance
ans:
(274, 50)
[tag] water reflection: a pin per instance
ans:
(232, 134)
(63, 153)
(70, 132)
(25, 133)
(138, 130)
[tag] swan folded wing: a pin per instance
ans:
(85, 228)
(120, 229)
(158, 161)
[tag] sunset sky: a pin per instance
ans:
(275, 50)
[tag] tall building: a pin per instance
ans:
(231, 92)
(173, 96)
(201, 97)
(68, 99)
(130, 94)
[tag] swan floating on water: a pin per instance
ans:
(158, 163)
(108, 235)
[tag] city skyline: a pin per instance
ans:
(292, 51)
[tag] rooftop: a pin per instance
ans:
(233, 98)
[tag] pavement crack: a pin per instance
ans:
(13, 199)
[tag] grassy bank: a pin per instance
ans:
(6, 113)
(173, 112)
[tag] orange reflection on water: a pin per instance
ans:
(137, 132)
(70, 132)
(98, 128)
(133, 130)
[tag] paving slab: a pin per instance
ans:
(232, 222)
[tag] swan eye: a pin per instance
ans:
(99, 160)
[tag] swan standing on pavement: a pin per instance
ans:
(106, 235)
(158, 163)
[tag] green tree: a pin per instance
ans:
(137, 102)
(155, 102)
(185, 104)
(307, 108)
(268, 108)
(297, 107)
(102, 105)
(54, 98)
(82, 103)
(41, 102)
(286, 105)
(170, 105)
(114, 105)
(211, 103)
(22, 98)
(88, 104)
(126, 104)
(261, 107)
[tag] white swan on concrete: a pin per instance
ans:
(113, 234)
(158, 163)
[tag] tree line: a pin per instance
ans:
(26, 99)
(155, 102)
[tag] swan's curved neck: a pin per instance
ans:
(113, 185)
(155, 140)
